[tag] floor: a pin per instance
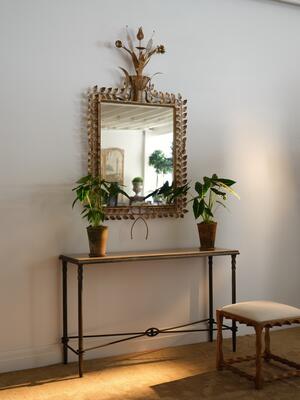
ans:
(178, 373)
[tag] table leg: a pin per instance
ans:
(233, 287)
(210, 295)
(258, 375)
(80, 329)
(65, 310)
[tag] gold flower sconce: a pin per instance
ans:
(138, 85)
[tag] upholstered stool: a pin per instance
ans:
(262, 315)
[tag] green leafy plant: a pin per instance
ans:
(94, 194)
(169, 192)
(160, 163)
(137, 179)
(211, 193)
(114, 189)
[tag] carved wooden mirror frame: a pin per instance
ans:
(135, 93)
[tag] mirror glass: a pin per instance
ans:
(137, 149)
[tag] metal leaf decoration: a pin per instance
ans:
(140, 57)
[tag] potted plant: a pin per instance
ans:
(210, 193)
(114, 189)
(94, 194)
(137, 185)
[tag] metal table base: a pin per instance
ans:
(84, 260)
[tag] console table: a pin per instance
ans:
(83, 260)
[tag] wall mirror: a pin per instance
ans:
(137, 148)
(137, 139)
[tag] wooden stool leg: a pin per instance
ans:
(258, 375)
(219, 340)
(267, 351)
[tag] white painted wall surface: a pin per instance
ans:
(237, 62)
(132, 143)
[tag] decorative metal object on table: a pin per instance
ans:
(83, 260)
(138, 106)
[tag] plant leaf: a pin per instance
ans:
(74, 202)
(218, 192)
(198, 188)
(84, 179)
(222, 204)
(196, 208)
(123, 193)
(207, 185)
(208, 211)
(227, 182)
(230, 190)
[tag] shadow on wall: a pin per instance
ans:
(284, 258)
(81, 132)
(46, 272)
(266, 159)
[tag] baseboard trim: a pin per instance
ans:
(14, 360)
(41, 356)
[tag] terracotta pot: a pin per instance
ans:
(97, 240)
(207, 235)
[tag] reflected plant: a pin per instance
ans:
(169, 193)
(137, 179)
(161, 163)
(137, 183)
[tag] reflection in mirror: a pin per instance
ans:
(137, 149)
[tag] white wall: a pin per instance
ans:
(132, 143)
(237, 62)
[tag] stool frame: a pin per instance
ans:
(260, 355)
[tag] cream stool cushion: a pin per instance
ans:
(261, 311)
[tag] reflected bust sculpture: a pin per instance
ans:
(138, 132)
